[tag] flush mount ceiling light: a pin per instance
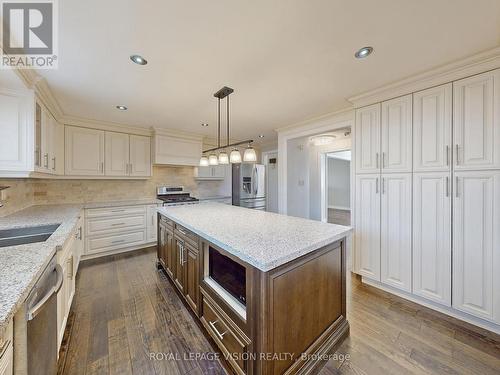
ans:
(235, 155)
(363, 52)
(323, 139)
(261, 135)
(139, 60)
(121, 107)
(204, 124)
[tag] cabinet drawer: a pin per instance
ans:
(6, 351)
(115, 241)
(94, 226)
(114, 211)
(169, 223)
(231, 344)
(186, 235)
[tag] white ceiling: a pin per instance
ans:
(288, 60)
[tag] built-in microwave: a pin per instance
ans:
(227, 278)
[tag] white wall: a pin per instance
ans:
(298, 177)
(339, 183)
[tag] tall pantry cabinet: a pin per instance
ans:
(436, 174)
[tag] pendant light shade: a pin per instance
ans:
(223, 158)
(250, 155)
(235, 156)
(204, 161)
(213, 160)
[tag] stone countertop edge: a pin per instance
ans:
(263, 266)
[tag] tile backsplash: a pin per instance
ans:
(26, 192)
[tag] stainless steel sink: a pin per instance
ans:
(21, 236)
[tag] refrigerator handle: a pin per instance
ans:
(256, 189)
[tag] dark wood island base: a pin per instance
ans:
(293, 317)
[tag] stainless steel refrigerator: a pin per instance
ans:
(249, 186)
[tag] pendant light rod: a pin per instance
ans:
(227, 116)
(218, 123)
(249, 141)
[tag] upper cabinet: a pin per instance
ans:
(84, 151)
(217, 172)
(49, 142)
(432, 114)
(396, 138)
(91, 152)
(368, 139)
(476, 121)
(176, 148)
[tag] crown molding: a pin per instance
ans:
(341, 115)
(471, 65)
(105, 125)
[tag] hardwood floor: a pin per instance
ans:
(124, 309)
(341, 217)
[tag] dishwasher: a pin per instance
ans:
(41, 321)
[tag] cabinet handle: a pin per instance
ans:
(447, 186)
(38, 157)
(54, 163)
(376, 186)
(117, 241)
(376, 160)
(219, 335)
(70, 267)
(383, 159)
(456, 148)
(117, 210)
(456, 186)
(117, 224)
(130, 168)
(182, 232)
(383, 185)
(80, 233)
(447, 155)
(46, 160)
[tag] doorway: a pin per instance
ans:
(338, 187)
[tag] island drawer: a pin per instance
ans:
(169, 223)
(233, 345)
(186, 235)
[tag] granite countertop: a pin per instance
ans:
(21, 265)
(263, 239)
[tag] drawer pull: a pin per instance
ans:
(182, 232)
(4, 348)
(117, 210)
(118, 241)
(219, 335)
(117, 224)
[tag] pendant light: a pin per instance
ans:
(203, 161)
(223, 158)
(250, 155)
(213, 159)
(235, 156)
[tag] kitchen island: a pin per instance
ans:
(269, 289)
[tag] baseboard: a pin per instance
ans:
(340, 208)
(435, 306)
(117, 251)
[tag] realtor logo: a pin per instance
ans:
(29, 37)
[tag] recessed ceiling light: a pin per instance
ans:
(139, 60)
(261, 135)
(121, 107)
(363, 52)
(204, 124)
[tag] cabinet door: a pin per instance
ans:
(396, 142)
(61, 305)
(152, 223)
(219, 171)
(367, 227)
(395, 241)
(170, 253)
(476, 244)
(161, 245)
(476, 121)
(432, 112)
(84, 151)
(192, 278)
(46, 137)
(368, 139)
(57, 160)
(117, 154)
(140, 156)
(180, 260)
(432, 236)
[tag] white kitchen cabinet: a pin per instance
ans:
(367, 225)
(117, 154)
(140, 156)
(476, 122)
(432, 115)
(7, 350)
(177, 149)
(396, 135)
(368, 139)
(79, 246)
(395, 236)
(65, 295)
(432, 236)
(49, 142)
(476, 244)
(84, 151)
(216, 172)
(152, 223)
(16, 132)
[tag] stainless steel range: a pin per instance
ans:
(174, 196)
